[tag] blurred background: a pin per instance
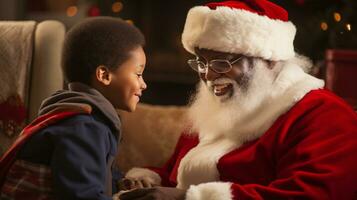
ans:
(322, 26)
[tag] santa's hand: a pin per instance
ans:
(131, 183)
(155, 193)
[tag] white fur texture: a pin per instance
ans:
(143, 173)
(200, 164)
(238, 31)
(224, 126)
(249, 114)
(210, 191)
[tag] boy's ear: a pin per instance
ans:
(103, 75)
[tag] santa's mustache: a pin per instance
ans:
(220, 81)
(210, 116)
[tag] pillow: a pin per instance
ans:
(149, 135)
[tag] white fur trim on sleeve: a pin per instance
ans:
(143, 173)
(210, 191)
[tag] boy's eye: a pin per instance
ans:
(139, 75)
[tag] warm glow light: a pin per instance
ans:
(129, 21)
(72, 11)
(324, 26)
(117, 7)
(348, 27)
(337, 16)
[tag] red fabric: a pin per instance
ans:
(12, 115)
(168, 173)
(41, 122)
(308, 153)
(13, 109)
(260, 7)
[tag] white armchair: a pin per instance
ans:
(30, 70)
(46, 75)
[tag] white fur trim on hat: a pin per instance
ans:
(210, 191)
(238, 31)
(143, 173)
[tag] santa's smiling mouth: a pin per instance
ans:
(222, 89)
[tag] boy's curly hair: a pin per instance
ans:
(98, 41)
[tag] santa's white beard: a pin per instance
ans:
(214, 116)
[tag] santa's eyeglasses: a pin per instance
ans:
(217, 65)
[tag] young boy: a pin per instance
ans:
(67, 152)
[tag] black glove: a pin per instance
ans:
(129, 184)
(155, 193)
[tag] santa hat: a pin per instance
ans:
(256, 28)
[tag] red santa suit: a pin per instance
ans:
(301, 144)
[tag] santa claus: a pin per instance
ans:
(262, 127)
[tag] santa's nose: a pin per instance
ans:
(211, 75)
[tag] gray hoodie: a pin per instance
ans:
(81, 93)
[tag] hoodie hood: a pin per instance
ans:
(79, 93)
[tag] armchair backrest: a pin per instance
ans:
(30, 70)
(46, 75)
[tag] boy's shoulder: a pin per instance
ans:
(79, 124)
(83, 127)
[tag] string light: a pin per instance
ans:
(324, 26)
(129, 21)
(93, 11)
(72, 11)
(117, 7)
(337, 16)
(348, 27)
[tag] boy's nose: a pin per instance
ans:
(143, 85)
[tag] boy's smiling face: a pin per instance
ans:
(127, 83)
(123, 86)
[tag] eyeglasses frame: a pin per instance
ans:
(208, 64)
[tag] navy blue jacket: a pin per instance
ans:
(78, 150)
